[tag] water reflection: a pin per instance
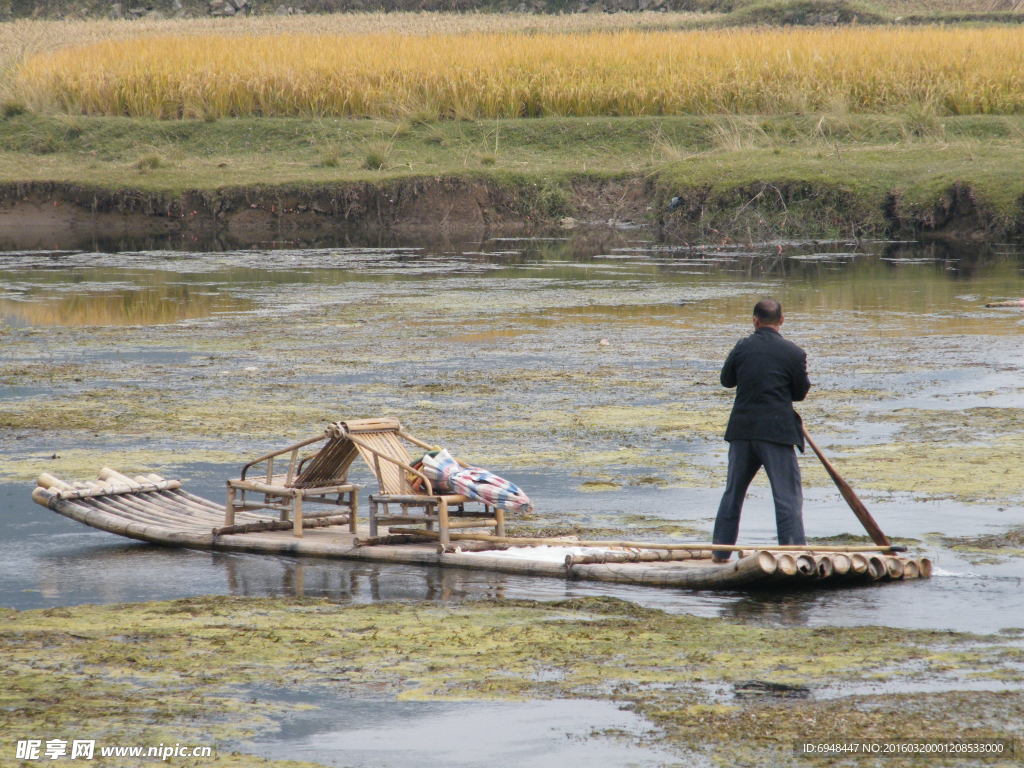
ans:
(152, 305)
(115, 573)
(151, 288)
(357, 582)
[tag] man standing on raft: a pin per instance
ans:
(770, 374)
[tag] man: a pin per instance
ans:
(769, 373)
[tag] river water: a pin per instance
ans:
(584, 368)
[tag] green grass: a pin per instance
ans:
(840, 166)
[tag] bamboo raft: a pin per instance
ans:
(153, 509)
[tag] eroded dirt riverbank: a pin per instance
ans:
(53, 215)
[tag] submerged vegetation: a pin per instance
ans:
(193, 670)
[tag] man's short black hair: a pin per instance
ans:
(768, 311)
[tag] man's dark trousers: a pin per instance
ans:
(780, 464)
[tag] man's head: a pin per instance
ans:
(767, 313)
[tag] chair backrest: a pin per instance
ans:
(382, 436)
(329, 466)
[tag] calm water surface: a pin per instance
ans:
(498, 344)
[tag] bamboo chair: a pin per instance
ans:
(382, 445)
(320, 477)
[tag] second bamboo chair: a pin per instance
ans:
(382, 444)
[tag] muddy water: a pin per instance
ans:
(583, 368)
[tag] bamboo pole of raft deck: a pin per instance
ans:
(157, 508)
(135, 509)
(157, 504)
(851, 498)
(877, 567)
(369, 541)
(893, 568)
(281, 525)
(785, 565)
(757, 567)
(840, 564)
(805, 565)
(552, 542)
(103, 487)
(642, 556)
(85, 512)
(824, 566)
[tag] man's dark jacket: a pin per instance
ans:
(769, 373)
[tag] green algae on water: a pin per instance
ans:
(186, 667)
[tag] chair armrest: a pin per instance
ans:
(275, 454)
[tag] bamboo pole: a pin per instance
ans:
(481, 523)
(785, 565)
(840, 564)
(893, 568)
(767, 562)
(639, 556)
(46, 480)
(806, 566)
(469, 546)
(876, 567)
(911, 570)
(280, 525)
(133, 510)
(825, 568)
(106, 473)
(181, 497)
(748, 570)
(168, 503)
(527, 541)
(106, 488)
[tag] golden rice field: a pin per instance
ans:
(512, 74)
(19, 39)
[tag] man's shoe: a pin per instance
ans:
(719, 560)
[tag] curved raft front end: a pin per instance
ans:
(159, 511)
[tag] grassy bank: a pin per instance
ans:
(204, 670)
(793, 132)
(811, 173)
